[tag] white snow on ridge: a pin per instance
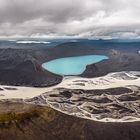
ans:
(32, 42)
(11, 40)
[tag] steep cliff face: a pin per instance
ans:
(21, 121)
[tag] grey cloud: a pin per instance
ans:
(54, 10)
(83, 18)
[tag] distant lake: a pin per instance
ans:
(72, 65)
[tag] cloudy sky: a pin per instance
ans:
(76, 18)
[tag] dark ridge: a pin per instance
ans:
(110, 91)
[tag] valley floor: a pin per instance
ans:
(111, 98)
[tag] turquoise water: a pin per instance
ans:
(72, 65)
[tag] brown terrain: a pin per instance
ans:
(21, 121)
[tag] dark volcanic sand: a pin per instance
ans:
(30, 122)
(113, 104)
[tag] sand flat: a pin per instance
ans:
(112, 80)
(110, 98)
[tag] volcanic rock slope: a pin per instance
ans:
(21, 65)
